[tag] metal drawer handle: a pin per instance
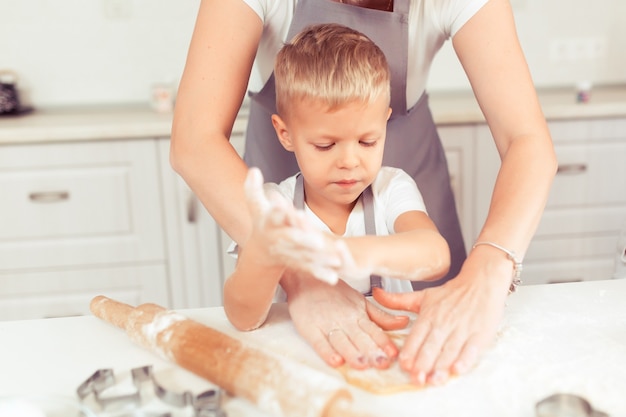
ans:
(564, 280)
(192, 208)
(49, 196)
(571, 169)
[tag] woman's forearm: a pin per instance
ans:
(215, 172)
(520, 193)
(211, 90)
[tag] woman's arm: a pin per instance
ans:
(214, 81)
(466, 311)
(492, 57)
(416, 251)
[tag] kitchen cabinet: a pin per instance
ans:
(193, 242)
(196, 245)
(576, 239)
(458, 143)
(79, 219)
(89, 203)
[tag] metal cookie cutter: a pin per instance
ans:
(205, 404)
(566, 405)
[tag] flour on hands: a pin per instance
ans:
(287, 235)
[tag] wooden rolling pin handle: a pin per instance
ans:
(126, 317)
(111, 311)
(123, 315)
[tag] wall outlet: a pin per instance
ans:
(117, 9)
(578, 49)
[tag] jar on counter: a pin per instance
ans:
(162, 97)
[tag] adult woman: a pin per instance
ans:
(458, 319)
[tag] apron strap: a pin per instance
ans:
(298, 192)
(367, 199)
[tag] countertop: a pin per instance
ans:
(140, 121)
(567, 337)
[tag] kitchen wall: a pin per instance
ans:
(74, 52)
(70, 52)
(565, 42)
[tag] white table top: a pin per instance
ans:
(555, 338)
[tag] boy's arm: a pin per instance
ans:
(416, 251)
(249, 291)
(281, 238)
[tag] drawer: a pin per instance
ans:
(572, 248)
(79, 204)
(567, 271)
(582, 130)
(65, 203)
(577, 221)
(68, 293)
(589, 174)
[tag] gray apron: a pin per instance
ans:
(367, 200)
(412, 141)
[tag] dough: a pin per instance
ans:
(381, 381)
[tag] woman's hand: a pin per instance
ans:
(339, 323)
(457, 321)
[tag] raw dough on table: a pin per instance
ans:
(381, 381)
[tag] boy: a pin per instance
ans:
(332, 99)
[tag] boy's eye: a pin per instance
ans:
(368, 143)
(323, 146)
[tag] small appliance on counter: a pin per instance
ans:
(9, 96)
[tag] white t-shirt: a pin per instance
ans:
(431, 23)
(394, 192)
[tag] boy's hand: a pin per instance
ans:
(339, 323)
(284, 235)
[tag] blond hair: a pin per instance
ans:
(332, 64)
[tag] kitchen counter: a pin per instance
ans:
(558, 103)
(139, 121)
(554, 338)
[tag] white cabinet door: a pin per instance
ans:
(78, 220)
(577, 235)
(79, 204)
(53, 293)
(193, 242)
(196, 245)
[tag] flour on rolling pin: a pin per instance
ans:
(276, 385)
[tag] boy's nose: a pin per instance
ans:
(348, 158)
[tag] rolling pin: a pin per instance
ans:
(280, 387)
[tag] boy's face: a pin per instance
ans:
(339, 152)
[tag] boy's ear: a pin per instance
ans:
(282, 132)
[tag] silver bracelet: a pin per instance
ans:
(517, 264)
